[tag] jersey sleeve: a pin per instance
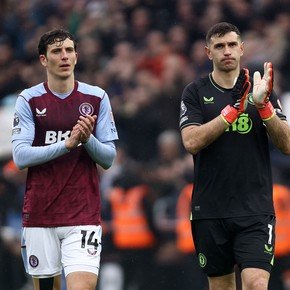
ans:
(23, 132)
(106, 129)
(190, 108)
(23, 123)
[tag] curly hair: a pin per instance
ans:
(53, 36)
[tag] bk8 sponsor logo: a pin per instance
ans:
(56, 136)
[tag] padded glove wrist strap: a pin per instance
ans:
(267, 112)
(229, 114)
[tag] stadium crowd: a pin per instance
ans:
(143, 53)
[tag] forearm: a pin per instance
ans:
(26, 155)
(102, 153)
(279, 132)
(195, 138)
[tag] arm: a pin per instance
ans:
(102, 153)
(26, 155)
(196, 138)
(278, 130)
(99, 144)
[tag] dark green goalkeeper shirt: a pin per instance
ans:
(232, 176)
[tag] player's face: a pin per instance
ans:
(225, 51)
(60, 59)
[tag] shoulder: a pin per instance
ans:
(198, 84)
(195, 86)
(35, 91)
(91, 90)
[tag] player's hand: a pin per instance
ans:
(261, 93)
(240, 93)
(86, 125)
(263, 86)
(74, 139)
(241, 90)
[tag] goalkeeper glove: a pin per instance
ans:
(262, 90)
(240, 97)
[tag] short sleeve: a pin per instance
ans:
(190, 107)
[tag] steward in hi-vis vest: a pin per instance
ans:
(183, 228)
(130, 225)
(281, 195)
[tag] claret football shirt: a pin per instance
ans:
(65, 190)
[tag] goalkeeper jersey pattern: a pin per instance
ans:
(232, 176)
(65, 190)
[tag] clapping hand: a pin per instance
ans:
(86, 125)
(261, 93)
(240, 91)
(263, 86)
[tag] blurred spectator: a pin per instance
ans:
(12, 274)
(140, 26)
(154, 54)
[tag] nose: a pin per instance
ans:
(227, 50)
(64, 54)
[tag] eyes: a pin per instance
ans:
(220, 46)
(63, 49)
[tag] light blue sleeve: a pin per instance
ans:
(24, 154)
(106, 129)
(100, 146)
(23, 124)
(102, 153)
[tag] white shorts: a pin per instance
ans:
(46, 251)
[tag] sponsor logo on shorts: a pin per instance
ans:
(33, 261)
(202, 260)
(268, 249)
(92, 252)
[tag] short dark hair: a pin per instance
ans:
(220, 29)
(53, 36)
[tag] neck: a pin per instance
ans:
(61, 85)
(225, 79)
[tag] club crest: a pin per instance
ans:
(86, 109)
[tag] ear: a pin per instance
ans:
(207, 51)
(76, 58)
(43, 60)
(242, 47)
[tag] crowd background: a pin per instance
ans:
(143, 53)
